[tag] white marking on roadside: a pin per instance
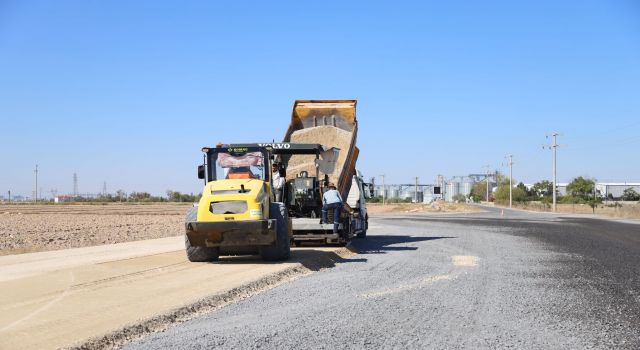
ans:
(409, 286)
(465, 260)
(43, 308)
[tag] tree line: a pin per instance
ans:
(141, 197)
(580, 190)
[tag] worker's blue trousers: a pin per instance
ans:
(337, 208)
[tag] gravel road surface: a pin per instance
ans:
(464, 281)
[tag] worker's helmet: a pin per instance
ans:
(331, 185)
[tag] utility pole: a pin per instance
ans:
(9, 192)
(487, 187)
(36, 189)
(510, 180)
(488, 167)
(416, 194)
(75, 184)
(554, 145)
(384, 190)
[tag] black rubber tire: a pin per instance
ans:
(198, 254)
(281, 250)
(363, 233)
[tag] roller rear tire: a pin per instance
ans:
(281, 249)
(198, 254)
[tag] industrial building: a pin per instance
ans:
(456, 185)
(605, 190)
(405, 192)
(462, 185)
(615, 189)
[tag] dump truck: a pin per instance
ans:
(331, 124)
(237, 213)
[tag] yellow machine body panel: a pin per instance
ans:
(234, 199)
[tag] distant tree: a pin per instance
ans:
(630, 195)
(105, 198)
(377, 199)
(543, 188)
(521, 186)
(581, 187)
(120, 195)
(479, 191)
(502, 194)
(139, 196)
(529, 192)
(502, 179)
(174, 196)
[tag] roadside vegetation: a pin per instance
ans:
(581, 196)
(378, 199)
(122, 197)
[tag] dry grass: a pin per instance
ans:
(420, 208)
(625, 211)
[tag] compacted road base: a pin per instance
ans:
(486, 280)
(97, 297)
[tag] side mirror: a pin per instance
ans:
(200, 171)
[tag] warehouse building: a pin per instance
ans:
(615, 189)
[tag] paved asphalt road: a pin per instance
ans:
(465, 281)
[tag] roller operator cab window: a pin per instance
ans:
(249, 165)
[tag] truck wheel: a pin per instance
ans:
(198, 254)
(363, 233)
(281, 250)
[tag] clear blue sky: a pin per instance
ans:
(128, 92)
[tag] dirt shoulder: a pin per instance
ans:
(42, 227)
(377, 209)
(623, 211)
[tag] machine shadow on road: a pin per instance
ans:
(380, 244)
(319, 259)
(316, 259)
(310, 258)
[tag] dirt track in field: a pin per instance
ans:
(33, 228)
